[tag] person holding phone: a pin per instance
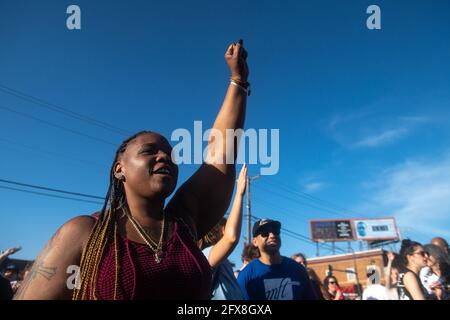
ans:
(434, 276)
(333, 288)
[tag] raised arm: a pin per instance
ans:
(204, 198)
(47, 279)
(225, 246)
(387, 277)
(5, 254)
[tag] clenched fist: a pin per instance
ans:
(236, 58)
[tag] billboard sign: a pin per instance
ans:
(331, 230)
(375, 229)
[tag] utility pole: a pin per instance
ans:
(248, 206)
(247, 188)
(355, 266)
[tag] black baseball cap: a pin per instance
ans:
(265, 223)
(12, 267)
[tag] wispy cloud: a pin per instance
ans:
(312, 182)
(417, 193)
(313, 187)
(383, 138)
(369, 130)
(338, 120)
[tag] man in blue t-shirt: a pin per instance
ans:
(272, 276)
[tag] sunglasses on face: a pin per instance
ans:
(331, 282)
(422, 253)
(265, 233)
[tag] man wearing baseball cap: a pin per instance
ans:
(272, 276)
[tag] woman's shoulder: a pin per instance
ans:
(82, 223)
(410, 276)
(77, 229)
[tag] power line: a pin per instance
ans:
(310, 197)
(324, 205)
(328, 203)
(295, 216)
(56, 108)
(287, 211)
(280, 209)
(296, 235)
(290, 233)
(57, 126)
(325, 209)
(51, 189)
(14, 145)
(48, 195)
(254, 218)
(299, 236)
(337, 213)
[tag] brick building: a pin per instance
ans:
(352, 268)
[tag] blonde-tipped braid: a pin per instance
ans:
(104, 231)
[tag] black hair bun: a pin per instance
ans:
(406, 243)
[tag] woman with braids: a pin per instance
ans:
(413, 259)
(137, 247)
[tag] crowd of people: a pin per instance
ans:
(417, 272)
(139, 247)
(11, 275)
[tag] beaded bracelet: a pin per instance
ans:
(243, 86)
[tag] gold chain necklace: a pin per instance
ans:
(156, 247)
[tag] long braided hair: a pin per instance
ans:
(104, 231)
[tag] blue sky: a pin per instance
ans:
(363, 114)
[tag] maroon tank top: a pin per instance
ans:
(184, 272)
